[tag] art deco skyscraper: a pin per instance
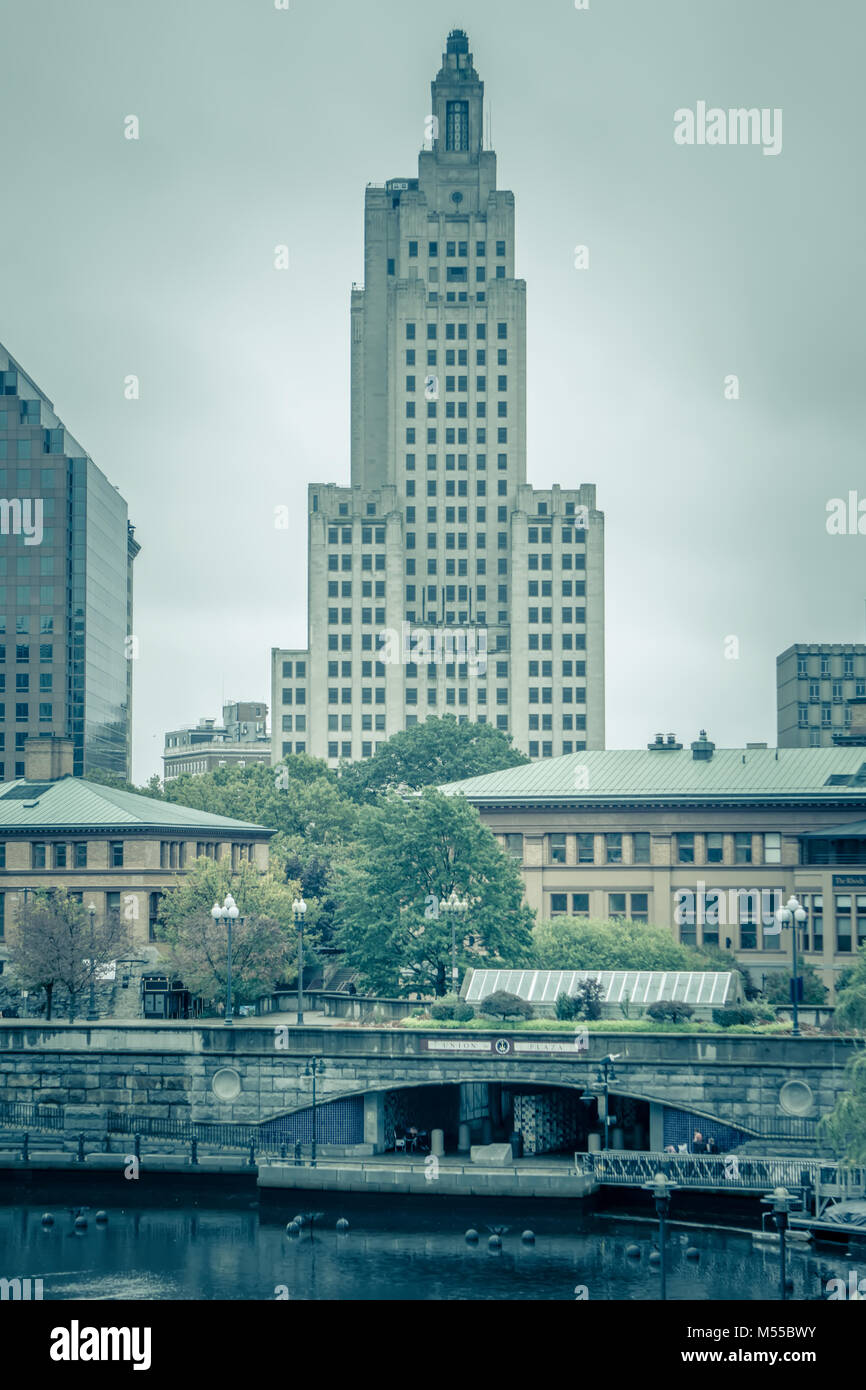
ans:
(440, 549)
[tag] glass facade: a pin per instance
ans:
(66, 553)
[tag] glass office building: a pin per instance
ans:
(66, 559)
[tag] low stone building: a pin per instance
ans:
(707, 842)
(115, 849)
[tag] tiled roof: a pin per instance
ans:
(74, 803)
(645, 775)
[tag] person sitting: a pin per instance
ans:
(712, 1146)
(413, 1137)
(698, 1145)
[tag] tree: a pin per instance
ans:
(54, 942)
(409, 855)
(502, 1004)
(845, 1126)
(263, 937)
(777, 989)
(851, 995)
(152, 788)
(302, 800)
(580, 943)
(430, 754)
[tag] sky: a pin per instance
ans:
(260, 127)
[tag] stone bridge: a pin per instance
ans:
(763, 1086)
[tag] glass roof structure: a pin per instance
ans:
(708, 988)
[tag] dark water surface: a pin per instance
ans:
(189, 1240)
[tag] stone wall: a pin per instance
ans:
(252, 1074)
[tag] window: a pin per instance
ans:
(514, 846)
(558, 904)
(60, 856)
(37, 856)
(686, 848)
(616, 905)
(613, 849)
(639, 907)
(585, 848)
(115, 854)
(580, 904)
(715, 848)
(80, 854)
(641, 847)
(557, 849)
(843, 922)
(743, 847)
(773, 848)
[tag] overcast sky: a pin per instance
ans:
(260, 126)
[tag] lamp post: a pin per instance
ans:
(780, 1200)
(793, 915)
(456, 908)
(604, 1076)
(228, 913)
(661, 1188)
(314, 1066)
(91, 1007)
(299, 912)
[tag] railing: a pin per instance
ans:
(14, 1115)
(716, 1171)
(788, 1127)
(224, 1136)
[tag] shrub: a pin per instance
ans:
(743, 1013)
(501, 1004)
(442, 1009)
(463, 1011)
(565, 1006)
(588, 997)
(670, 1011)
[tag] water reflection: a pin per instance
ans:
(408, 1249)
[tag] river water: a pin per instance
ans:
(186, 1240)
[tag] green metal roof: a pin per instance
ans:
(74, 803)
(731, 774)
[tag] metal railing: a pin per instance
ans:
(14, 1115)
(788, 1127)
(224, 1136)
(747, 1172)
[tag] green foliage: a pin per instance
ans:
(264, 942)
(670, 1011)
(409, 854)
(845, 1127)
(588, 997)
(743, 1013)
(452, 1008)
(501, 1004)
(777, 989)
(581, 943)
(152, 788)
(851, 994)
(430, 754)
(565, 1006)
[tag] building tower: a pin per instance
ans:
(440, 582)
(66, 557)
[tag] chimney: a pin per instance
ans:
(659, 745)
(703, 748)
(47, 758)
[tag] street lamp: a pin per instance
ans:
(299, 912)
(456, 907)
(661, 1188)
(91, 1008)
(228, 913)
(793, 915)
(313, 1068)
(604, 1076)
(780, 1201)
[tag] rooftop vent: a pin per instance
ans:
(660, 745)
(703, 748)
